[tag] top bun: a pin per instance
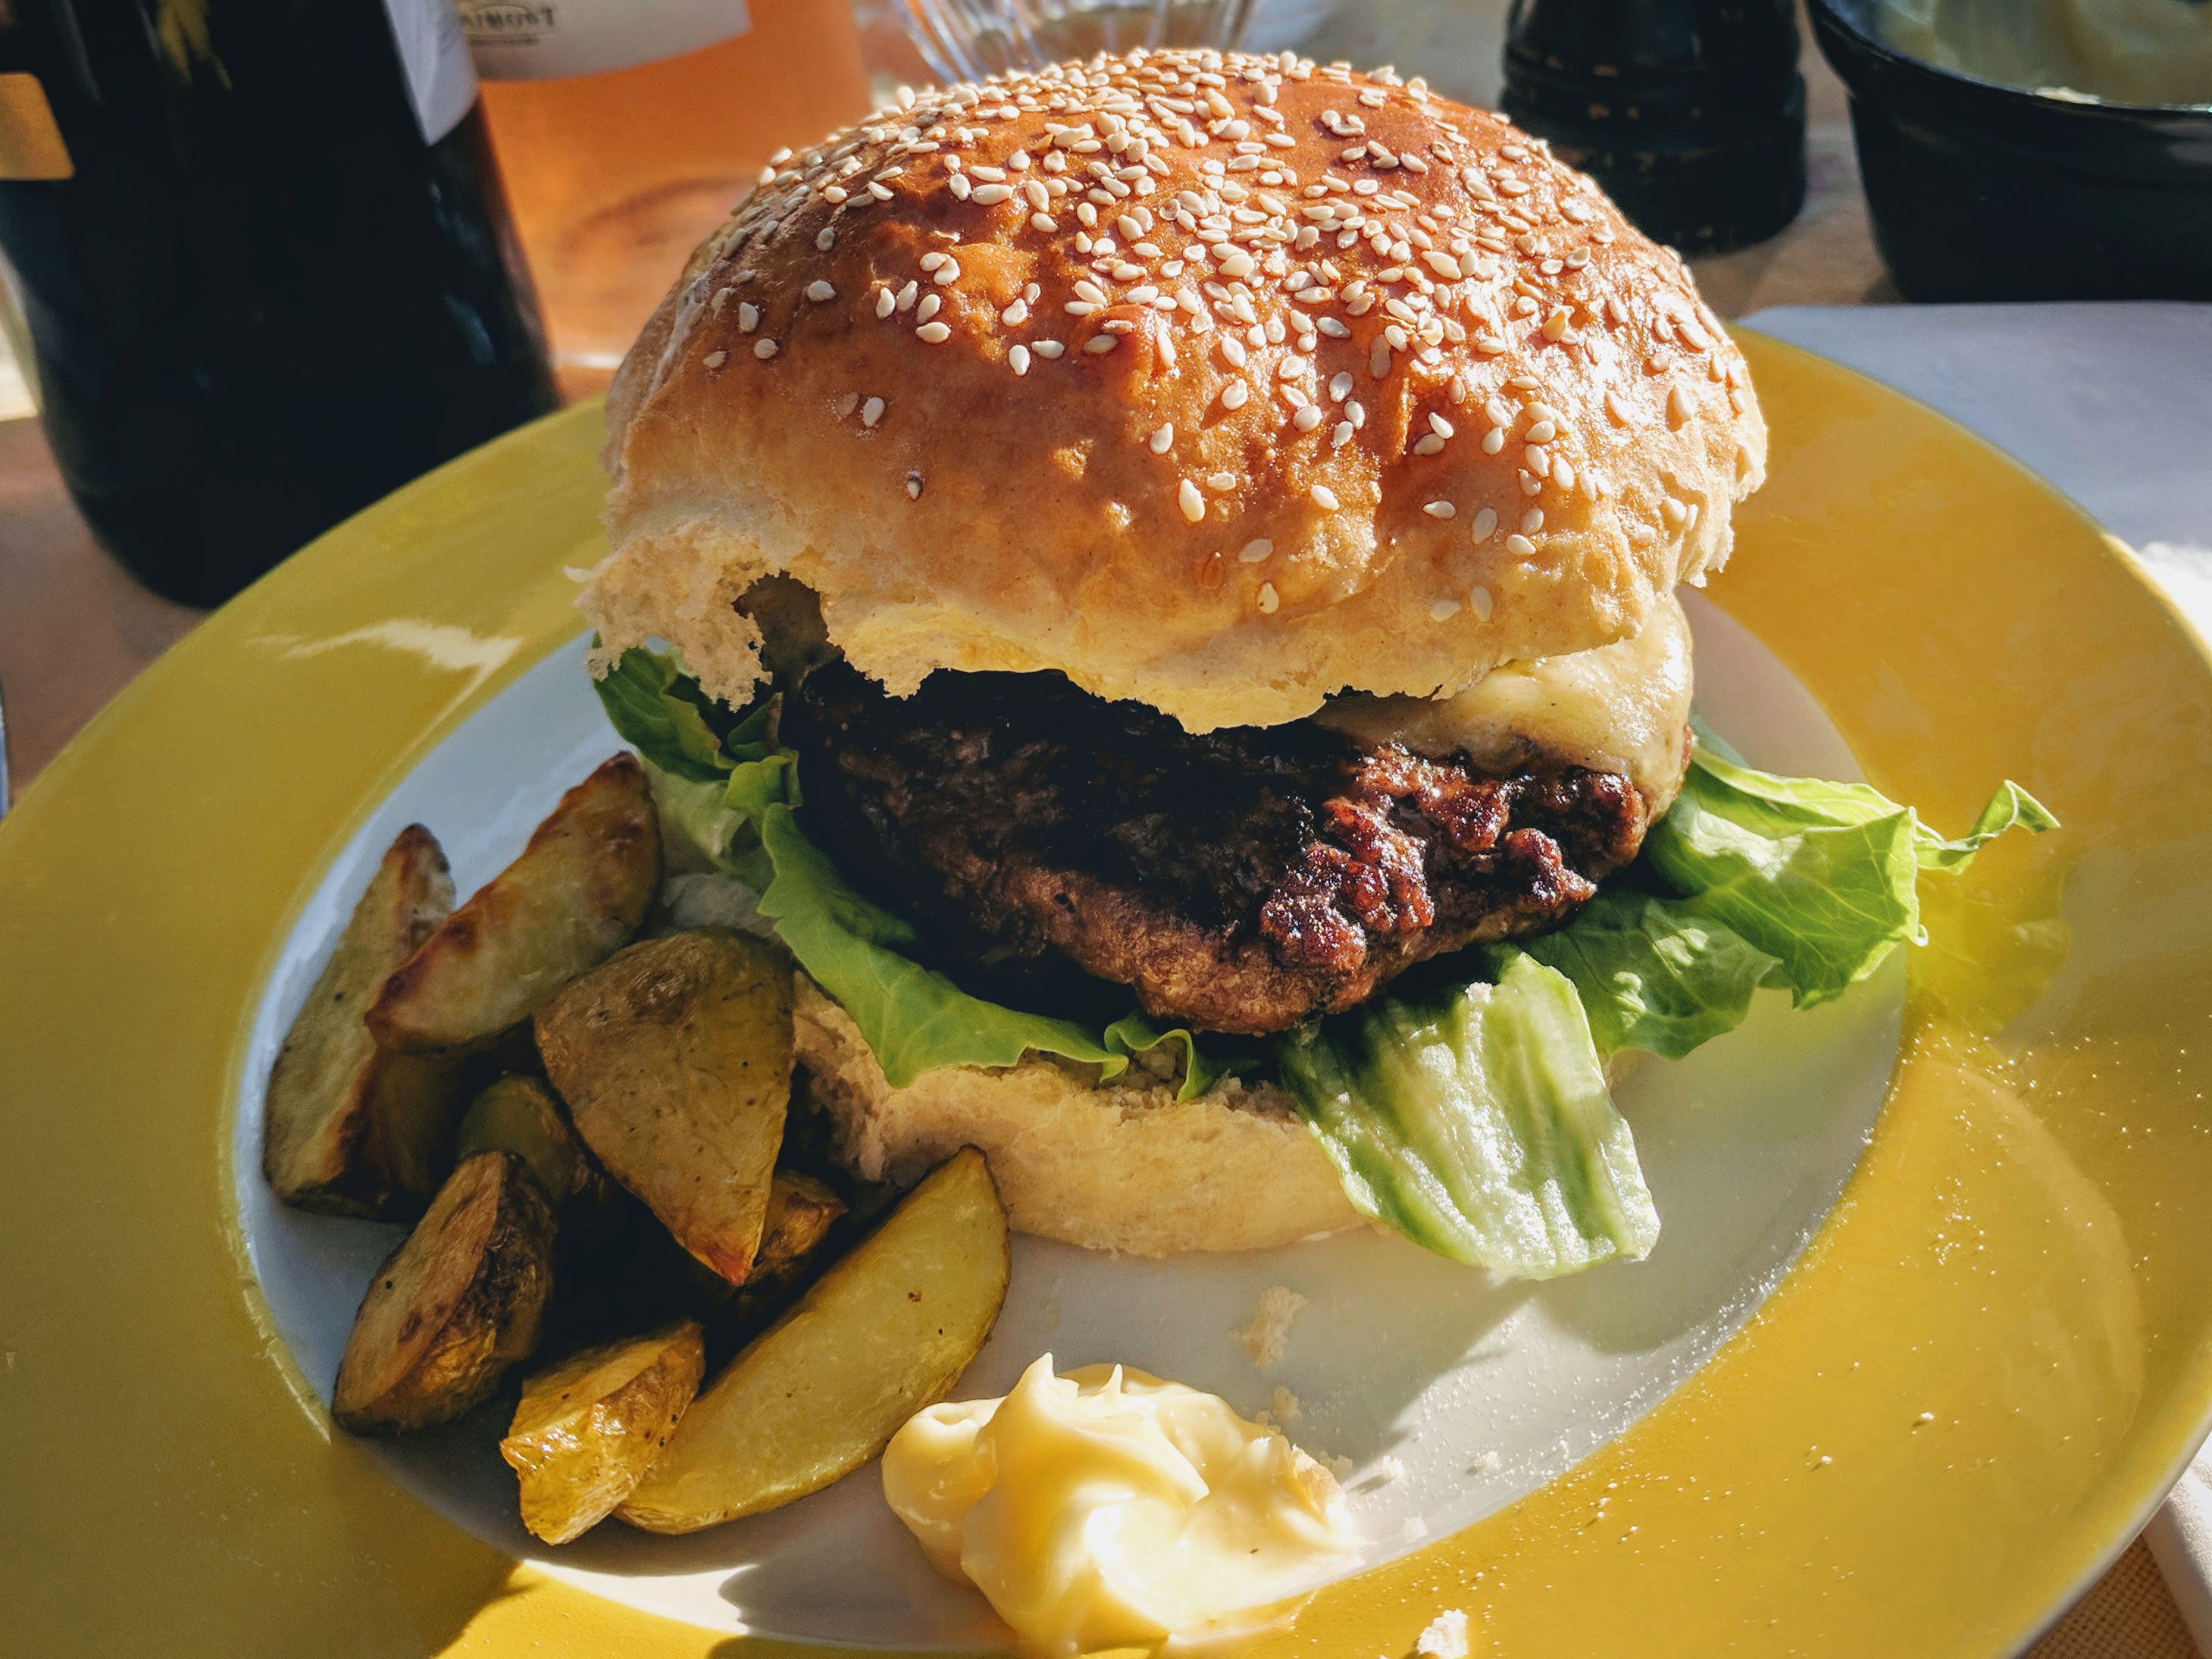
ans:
(1224, 383)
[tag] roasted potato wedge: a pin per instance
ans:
(588, 1429)
(887, 1330)
(675, 1059)
(578, 892)
(350, 1128)
(519, 1115)
(455, 1306)
(801, 1211)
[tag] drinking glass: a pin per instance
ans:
(969, 39)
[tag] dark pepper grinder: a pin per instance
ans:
(1690, 112)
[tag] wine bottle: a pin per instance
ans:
(263, 259)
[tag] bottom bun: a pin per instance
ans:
(1112, 1166)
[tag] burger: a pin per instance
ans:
(1157, 579)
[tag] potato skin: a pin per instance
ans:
(801, 1211)
(675, 1059)
(579, 891)
(349, 1128)
(586, 1430)
(519, 1115)
(455, 1306)
(886, 1330)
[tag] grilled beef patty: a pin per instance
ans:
(1245, 880)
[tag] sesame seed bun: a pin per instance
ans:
(1220, 383)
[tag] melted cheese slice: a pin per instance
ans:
(1621, 707)
(1107, 1507)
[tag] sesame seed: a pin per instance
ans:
(1308, 417)
(1049, 349)
(1192, 503)
(764, 349)
(885, 303)
(1017, 358)
(1478, 602)
(906, 294)
(1102, 342)
(1440, 509)
(1563, 473)
(1429, 444)
(871, 412)
(1323, 497)
(1268, 601)
(748, 318)
(1341, 436)
(716, 359)
(930, 306)
(1015, 314)
(1532, 521)
(1291, 368)
(934, 258)
(1543, 432)
(826, 238)
(948, 272)
(1678, 406)
(1234, 394)
(992, 194)
(933, 334)
(914, 486)
(820, 292)
(1520, 546)
(1444, 610)
(1440, 425)
(1162, 441)
(1255, 550)
(1340, 386)
(1537, 459)
(1486, 523)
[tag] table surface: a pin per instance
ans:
(74, 629)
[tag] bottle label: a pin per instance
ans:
(31, 144)
(434, 54)
(541, 39)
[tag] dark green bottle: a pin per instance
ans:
(263, 257)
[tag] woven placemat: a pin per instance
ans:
(2130, 1614)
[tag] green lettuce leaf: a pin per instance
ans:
(1653, 974)
(914, 1018)
(1478, 1124)
(661, 712)
(1820, 876)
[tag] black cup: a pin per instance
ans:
(1981, 192)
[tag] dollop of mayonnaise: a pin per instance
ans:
(1107, 1507)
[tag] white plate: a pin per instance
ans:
(1452, 1393)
